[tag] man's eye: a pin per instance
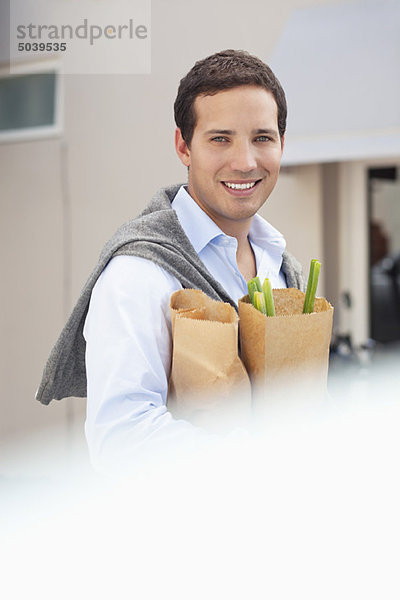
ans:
(219, 138)
(263, 138)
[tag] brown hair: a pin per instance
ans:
(223, 71)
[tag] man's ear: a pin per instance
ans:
(182, 149)
(282, 143)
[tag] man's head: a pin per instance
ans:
(231, 114)
(223, 71)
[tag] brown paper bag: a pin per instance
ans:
(288, 352)
(209, 384)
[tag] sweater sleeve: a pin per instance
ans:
(128, 360)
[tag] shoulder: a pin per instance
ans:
(157, 222)
(130, 290)
(136, 273)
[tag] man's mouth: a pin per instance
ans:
(242, 186)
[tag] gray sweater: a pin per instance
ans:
(156, 235)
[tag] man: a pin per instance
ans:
(230, 113)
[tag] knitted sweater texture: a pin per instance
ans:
(156, 235)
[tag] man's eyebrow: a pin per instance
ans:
(267, 131)
(219, 132)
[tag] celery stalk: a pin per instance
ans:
(269, 299)
(311, 286)
(259, 302)
(254, 285)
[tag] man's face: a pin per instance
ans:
(235, 154)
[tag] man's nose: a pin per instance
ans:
(243, 158)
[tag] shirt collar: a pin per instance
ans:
(197, 225)
(264, 234)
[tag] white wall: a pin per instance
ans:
(32, 277)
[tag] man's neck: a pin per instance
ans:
(245, 258)
(237, 229)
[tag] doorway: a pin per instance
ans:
(384, 253)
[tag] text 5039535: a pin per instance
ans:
(42, 46)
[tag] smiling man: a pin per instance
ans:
(230, 113)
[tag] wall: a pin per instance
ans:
(31, 233)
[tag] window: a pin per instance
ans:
(29, 105)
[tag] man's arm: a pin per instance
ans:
(128, 358)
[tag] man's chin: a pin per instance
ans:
(240, 216)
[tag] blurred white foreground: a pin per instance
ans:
(307, 508)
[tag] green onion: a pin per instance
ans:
(311, 286)
(259, 302)
(269, 299)
(254, 285)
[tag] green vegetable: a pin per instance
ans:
(254, 285)
(311, 286)
(269, 299)
(259, 302)
(261, 296)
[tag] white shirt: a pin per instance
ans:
(128, 335)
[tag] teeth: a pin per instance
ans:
(239, 186)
